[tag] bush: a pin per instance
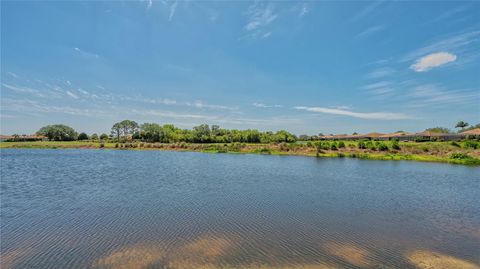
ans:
(116, 145)
(362, 145)
(455, 144)
(370, 145)
(263, 151)
(470, 145)
(333, 146)
(102, 145)
(382, 147)
(104, 136)
(341, 144)
(82, 136)
(395, 145)
(459, 156)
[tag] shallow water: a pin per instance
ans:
(157, 209)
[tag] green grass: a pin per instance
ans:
(445, 152)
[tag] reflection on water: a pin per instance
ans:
(429, 259)
(141, 209)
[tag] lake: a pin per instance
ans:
(159, 209)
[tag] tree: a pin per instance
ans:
(124, 129)
(82, 136)
(151, 132)
(461, 124)
(442, 130)
(103, 136)
(58, 132)
(201, 133)
(94, 136)
(116, 130)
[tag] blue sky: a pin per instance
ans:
(307, 67)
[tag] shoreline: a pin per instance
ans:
(264, 149)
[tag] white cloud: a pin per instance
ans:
(432, 95)
(173, 8)
(433, 60)
(381, 72)
(86, 54)
(260, 16)
(71, 94)
(261, 105)
(458, 43)
(200, 104)
(12, 74)
(26, 90)
(360, 115)
(370, 31)
(303, 10)
(149, 4)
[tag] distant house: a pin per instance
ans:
(473, 132)
(397, 135)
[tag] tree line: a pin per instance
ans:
(204, 133)
(153, 132)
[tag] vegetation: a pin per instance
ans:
(58, 132)
(149, 136)
(82, 136)
(442, 130)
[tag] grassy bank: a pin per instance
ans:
(466, 153)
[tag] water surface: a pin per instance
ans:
(155, 209)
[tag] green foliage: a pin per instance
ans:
(82, 136)
(103, 136)
(58, 132)
(455, 144)
(341, 144)
(442, 130)
(461, 124)
(395, 145)
(362, 145)
(470, 144)
(94, 137)
(382, 146)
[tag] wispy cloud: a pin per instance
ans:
(360, 115)
(303, 10)
(432, 95)
(23, 90)
(380, 73)
(12, 74)
(371, 30)
(149, 4)
(71, 94)
(261, 105)
(433, 60)
(381, 89)
(85, 53)
(455, 43)
(260, 15)
(366, 10)
(173, 9)
(201, 105)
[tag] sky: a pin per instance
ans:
(306, 67)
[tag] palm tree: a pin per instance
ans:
(461, 124)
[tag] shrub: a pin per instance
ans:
(102, 145)
(455, 144)
(82, 136)
(116, 145)
(263, 151)
(395, 145)
(370, 145)
(382, 147)
(333, 146)
(470, 144)
(459, 156)
(341, 144)
(362, 145)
